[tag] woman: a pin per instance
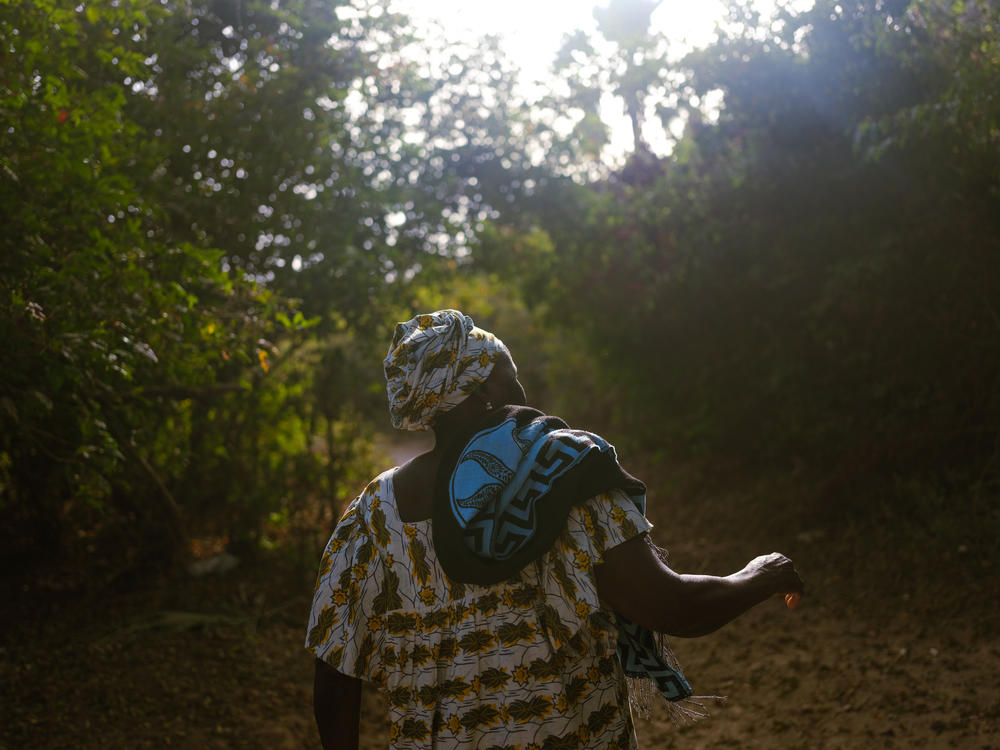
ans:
(501, 587)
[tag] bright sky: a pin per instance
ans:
(532, 30)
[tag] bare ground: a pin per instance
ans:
(893, 647)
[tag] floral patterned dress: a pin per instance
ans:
(529, 663)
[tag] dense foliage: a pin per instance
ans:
(214, 210)
(813, 277)
(122, 338)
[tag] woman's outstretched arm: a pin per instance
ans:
(634, 582)
(337, 706)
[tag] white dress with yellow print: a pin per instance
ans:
(529, 663)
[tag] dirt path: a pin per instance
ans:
(218, 662)
(812, 680)
(112, 677)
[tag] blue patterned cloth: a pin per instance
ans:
(505, 471)
(503, 496)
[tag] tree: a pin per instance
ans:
(627, 62)
(774, 292)
(101, 311)
(211, 208)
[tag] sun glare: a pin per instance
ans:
(532, 31)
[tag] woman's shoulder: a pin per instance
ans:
(372, 503)
(412, 487)
(379, 489)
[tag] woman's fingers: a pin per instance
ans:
(780, 571)
(793, 584)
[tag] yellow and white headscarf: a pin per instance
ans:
(435, 361)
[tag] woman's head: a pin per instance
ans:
(502, 386)
(436, 361)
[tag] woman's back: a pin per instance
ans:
(527, 662)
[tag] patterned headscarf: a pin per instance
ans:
(434, 362)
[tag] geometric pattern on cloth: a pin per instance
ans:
(496, 493)
(502, 475)
(640, 657)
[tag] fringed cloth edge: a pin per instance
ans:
(643, 694)
(644, 697)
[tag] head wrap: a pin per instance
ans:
(435, 361)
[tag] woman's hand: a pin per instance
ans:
(776, 572)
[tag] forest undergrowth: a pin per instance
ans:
(894, 645)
